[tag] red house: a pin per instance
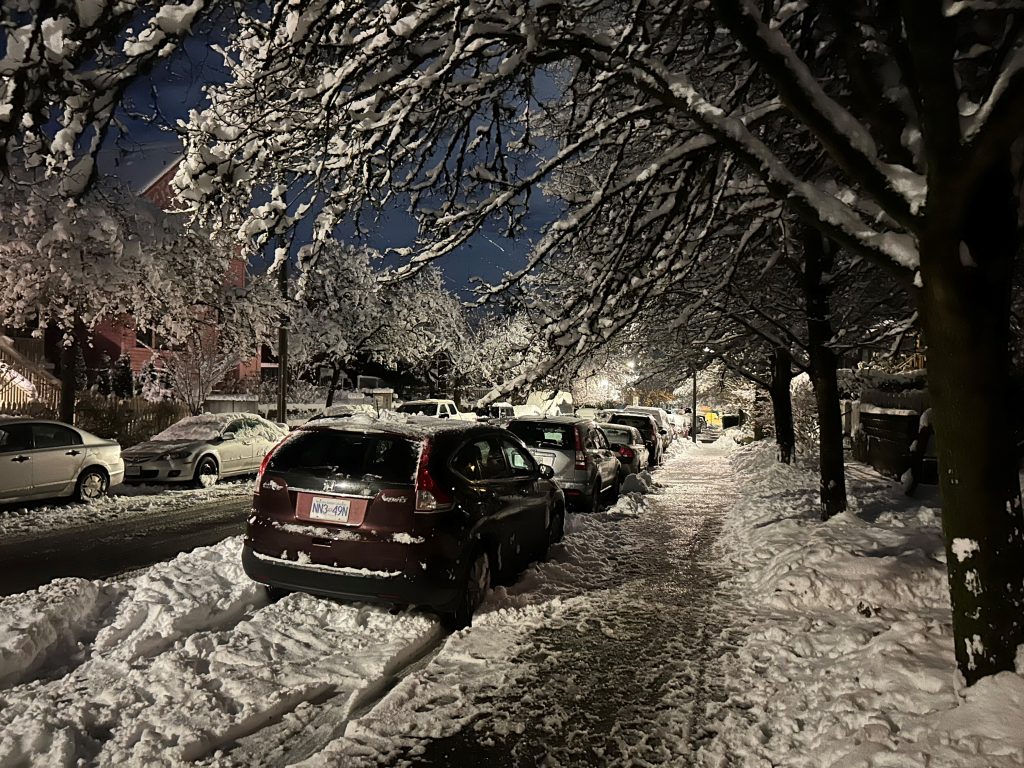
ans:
(117, 337)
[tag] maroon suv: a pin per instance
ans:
(422, 512)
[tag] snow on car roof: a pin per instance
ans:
(412, 426)
(202, 427)
(553, 419)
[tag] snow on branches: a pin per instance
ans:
(110, 253)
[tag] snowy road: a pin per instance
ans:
(132, 529)
(604, 654)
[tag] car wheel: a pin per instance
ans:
(594, 502)
(92, 485)
(614, 496)
(556, 527)
(207, 473)
(275, 593)
(478, 580)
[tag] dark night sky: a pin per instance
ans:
(148, 147)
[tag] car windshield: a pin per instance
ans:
(643, 423)
(418, 409)
(541, 435)
(193, 428)
(332, 453)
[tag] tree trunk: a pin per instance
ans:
(68, 353)
(819, 260)
(965, 310)
(335, 378)
(782, 403)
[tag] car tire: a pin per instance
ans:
(207, 473)
(275, 593)
(614, 495)
(474, 588)
(92, 485)
(594, 502)
(556, 528)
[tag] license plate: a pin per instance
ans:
(547, 459)
(129, 470)
(334, 510)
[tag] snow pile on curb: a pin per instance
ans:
(848, 660)
(180, 661)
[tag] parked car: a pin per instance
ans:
(648, 428)
(436, 408)
(500, 411)
(42, 459)
(660, 416)
(203, 449)
(628, 443)
(578, 452)
(411, 512)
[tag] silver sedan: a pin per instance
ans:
(47, 459)
(203, 449)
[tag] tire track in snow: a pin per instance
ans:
(300, 731)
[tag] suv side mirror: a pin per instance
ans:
(228, 436)
(545, 472)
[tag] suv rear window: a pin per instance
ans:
(537, 434)
(643, 423)
(332, 453)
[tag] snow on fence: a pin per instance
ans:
(128, 421)
(25, 387)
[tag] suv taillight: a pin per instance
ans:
(581, 455)
(430, 496)
(263, 468)
(627, 453)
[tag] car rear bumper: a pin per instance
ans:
(399, 586)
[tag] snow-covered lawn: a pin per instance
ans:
(21, 520)
(848, 660)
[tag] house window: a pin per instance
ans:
(145, 338)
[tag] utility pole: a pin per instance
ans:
(693, 420)
(282, 343)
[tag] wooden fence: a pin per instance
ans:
(25, 386)
(129, 421)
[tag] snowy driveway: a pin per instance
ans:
(603, 654)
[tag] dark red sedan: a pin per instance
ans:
(420, 512)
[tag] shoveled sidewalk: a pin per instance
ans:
(622, 672)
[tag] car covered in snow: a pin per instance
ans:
(42, 459)
(628, 443)
(579, 453)
(412, 511)
(203, 449)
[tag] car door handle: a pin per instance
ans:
(20, 459)
(73, 453)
